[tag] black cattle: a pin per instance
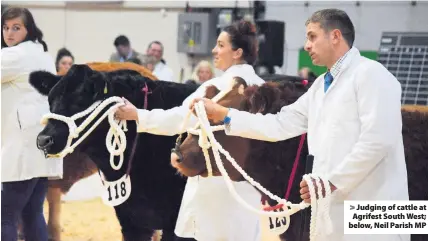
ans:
(156, 188)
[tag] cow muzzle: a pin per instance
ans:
(44, 142)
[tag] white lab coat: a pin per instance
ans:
(163, 72)
(208, 211)
(354, 133)
(22, 108)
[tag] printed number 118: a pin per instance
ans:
(122, 191)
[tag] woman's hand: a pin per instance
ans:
(215, 112)
(127, 111)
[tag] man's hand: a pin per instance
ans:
(304, 190)
(215, 112)
(127, 111)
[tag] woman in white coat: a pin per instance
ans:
(24, 168)
(208, 211)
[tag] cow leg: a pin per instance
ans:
(141, 234)
(168, 235)
(20, 230)
(54, 224)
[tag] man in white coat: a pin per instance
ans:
(353, 125)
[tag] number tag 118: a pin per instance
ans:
(117, 192)
(277, 225)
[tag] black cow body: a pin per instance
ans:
(156, 188)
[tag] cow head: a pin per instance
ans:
(269, 163)
(72, 93)
(77, 90)
(193, 161)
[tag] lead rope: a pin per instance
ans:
(317, 214)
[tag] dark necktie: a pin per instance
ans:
(328, 78)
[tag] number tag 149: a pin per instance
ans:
(117, 192)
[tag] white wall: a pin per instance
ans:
(89, 33)
(370, 20)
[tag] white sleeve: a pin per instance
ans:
(381, 125)
(290, 122)
(11, 64)
(169, 122)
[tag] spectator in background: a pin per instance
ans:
(308, 74)
(203, 72)
(24, 169)
(161, 70)
(124, 50)
(64, 60)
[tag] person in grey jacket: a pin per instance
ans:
(124, 50)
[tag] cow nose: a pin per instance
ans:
(44, 141)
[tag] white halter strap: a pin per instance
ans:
(115, 139)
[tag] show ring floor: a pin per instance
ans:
(85, 217)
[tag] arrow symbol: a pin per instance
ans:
(352, 207)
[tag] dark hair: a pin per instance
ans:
(121, 40)
(242, 34)
(62, 53)
(332, 18)
(33, 32)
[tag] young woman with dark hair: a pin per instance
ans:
(234, 53)
(64, 60)
(24, 169)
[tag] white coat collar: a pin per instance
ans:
(342, 63)
(31, 44)
(239, 68)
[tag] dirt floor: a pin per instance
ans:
(88, 221)
(93, 221)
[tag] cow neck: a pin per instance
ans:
(291, 178)
(132, 91)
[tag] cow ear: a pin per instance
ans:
(43, 81)
(239, 84)
(211, 91)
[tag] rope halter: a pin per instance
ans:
(115, 139)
